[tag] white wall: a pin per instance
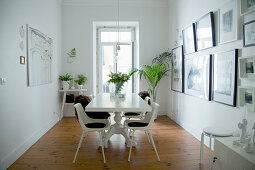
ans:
(190, 112)
(26, 113)
(78, 17)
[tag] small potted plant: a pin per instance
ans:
(81, 81)
(118, 79)
(72, 53)
(65, 79)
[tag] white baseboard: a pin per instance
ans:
(10, 158)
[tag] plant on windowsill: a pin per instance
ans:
(65, 79)
(81, 81)
(118, 79)
(155, 72)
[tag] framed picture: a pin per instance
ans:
(189, 37)
(228, 27)
(177, 69)
(225, 77)
(247, 6)
(205, 32)
(247, 68)
(22, 59)
(247, 97)
(249, 34)
(197, 76)
(39, 57)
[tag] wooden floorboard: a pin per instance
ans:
(178, 150)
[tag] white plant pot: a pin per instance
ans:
(80, 86)
(66, 85)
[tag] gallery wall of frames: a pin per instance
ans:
(214, 76)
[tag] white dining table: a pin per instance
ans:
(106, 103)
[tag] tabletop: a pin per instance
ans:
(105, 103)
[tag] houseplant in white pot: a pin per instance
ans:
(65, 79)
(81, 81)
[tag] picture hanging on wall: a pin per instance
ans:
(247, 97)
(189, 37)
(177, 69)
(197, 76)
(39, 53)
(225, 77)
(247, 6)
(247, 68)
(249, 34)
(205, 32)
(228, 27)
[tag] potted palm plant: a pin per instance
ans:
(65, 79)
(81, 81)
(155, 72)
(118, 79)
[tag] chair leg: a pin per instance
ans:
(210, 153)
(202, 147)
(153, 144)
(147, 136)
(131, 145)
(102, 145)
(82, 136)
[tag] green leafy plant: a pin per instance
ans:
(155, 72)
(66, 77)
(72, 53)
(81, 79)
(119, 79)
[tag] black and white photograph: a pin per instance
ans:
(247, 6)
(177, 69)
(248, 96)
(224, 77)
(197, 76)
(205, 32)
(249, 67)
(188, 35)
(246, 67)
(228, 27)
(249, 34)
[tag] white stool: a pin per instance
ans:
(212, 132)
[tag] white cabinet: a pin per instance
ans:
(230, 157)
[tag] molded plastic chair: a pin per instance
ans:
(90, 125)
(144, 125)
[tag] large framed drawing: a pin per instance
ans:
(228, 17)
(225, 77)
(247, 6)
(39, 54)
(249, 34)
(198, 76)
(189, 38)
(177, 69)
(205, 32)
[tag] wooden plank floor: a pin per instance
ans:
(178, 150)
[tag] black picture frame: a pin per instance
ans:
(189, 39)
(177, 77)
(206, 22)
(224, 88)
(197, 76)
(245, 32)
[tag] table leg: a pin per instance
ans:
(63, 103)
(117, 128)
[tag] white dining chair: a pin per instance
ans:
(145, 125)
(90, 125)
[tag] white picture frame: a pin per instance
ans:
(197, 81)
(39, 57)
(247, 6)
(247, 97)
(247, 68)
(228, 22)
